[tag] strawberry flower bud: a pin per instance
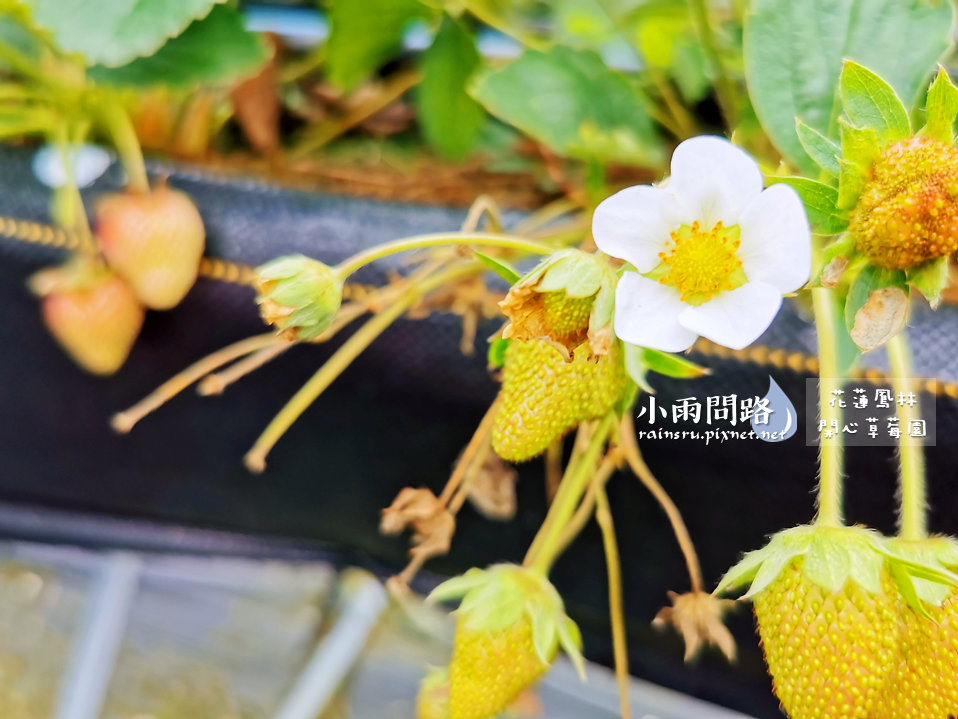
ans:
(510, 624)
(298, 295)
(566, 300)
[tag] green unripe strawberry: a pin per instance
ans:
(543, 397)
(298, 295)
(510, 624)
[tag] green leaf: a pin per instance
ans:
(450, 118)
(503, 269)
(496, 356)
(112, 32)
(823, 151)
(821, 204)
(930, 278)
(941, 108)
(827, 564)
(859, 144)
(794, 52)
(364, 35)
(216, 50)
(572, 102)
(851, 182)
(876, 306)
(869, 101)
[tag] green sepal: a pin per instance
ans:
(570, 639)
(822, 150)
(866, 330)
(831, 557)
(869, 101)
(930, 278)
(859, 144)
(906, 589)
(496, 357)
(457, 587)
(298, 294)
(851, 182)
(604, 307)
(941, 108)
(934, 552)
(639, 361)
(578, 273)
(836, 258)
(495, 599)
(636, 367)
(821, 204)
(503, 269)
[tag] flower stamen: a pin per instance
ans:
(701, 263)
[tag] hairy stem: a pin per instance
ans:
(603, 516)
(440, 239)
(255, 459)
(724, 90)
(831, 458)
(630, 448)
(913, 522)
(570, 492)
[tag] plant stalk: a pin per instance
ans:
(439, 239)
(913, 520)
(723, 85)
(831, 458)
(566, 501)
(255, 459)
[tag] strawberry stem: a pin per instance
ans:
(831, 457)
(255, 459)
(913, 519)
(218, 382)
(564, 506)
(121, 130)
(469, 453)
(603, 515)
(630, 448)
(441, 239)
(123, 421)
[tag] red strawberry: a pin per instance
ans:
(154, 241)
(91, 312)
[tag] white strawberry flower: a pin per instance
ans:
(713, 251)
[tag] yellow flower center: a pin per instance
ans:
(700, 263)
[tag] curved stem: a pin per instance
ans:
(603, 516)
(723, 85)
(469, 453)
(439, 239)
(586, 508)
(913, 522)
(832, 456)
(566, 501)
(630, 448)
(255, 459)
(124, 421)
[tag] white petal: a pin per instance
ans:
(776, 242)
(714, 179)
(647, 314)
(634, 225)
(737, 318)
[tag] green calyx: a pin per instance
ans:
(567, 300)
(940, 553)
(834, 556)
(298, 295)
(495, 599)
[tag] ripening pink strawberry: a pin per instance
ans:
(154, 241)
(91, 312)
